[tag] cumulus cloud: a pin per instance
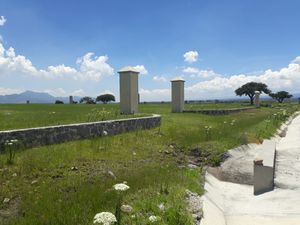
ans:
(78, 92)
(2, 20)
(287, 78)
(90, 67)
(9, 91)
(155, 94)
(191, 56)
(160, 78)
(141, 69)
(195, 72)
(107, 92)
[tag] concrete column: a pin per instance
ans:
(177, 95)
(128, 90)
(256, 99)
(71, 99)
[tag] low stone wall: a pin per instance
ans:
(57, 134)
(217, 112)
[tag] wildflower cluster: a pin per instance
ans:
(10, 146)
(208, 132)
(108, 218)
(99, 115)
(105, 218)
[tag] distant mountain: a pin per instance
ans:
(33, 97)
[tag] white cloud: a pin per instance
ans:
(94, 68)
(90, 68)
(141, 69)
(191, 56)
(2, 20)
(296, 60)
(195, 72)
(155, 94)
(78, 92)
(9, 91)
(287, 78)
(58, 92)
(160, 78)
(107, 92)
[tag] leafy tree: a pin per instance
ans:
(105, 98)
(249, 89)
(59, 102)
(87, 100)
(280, 96)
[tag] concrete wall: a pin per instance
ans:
(217, 111)
(58, 134)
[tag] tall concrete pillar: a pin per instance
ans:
(177, 95)
(71, 99)
(128, 90)
(256, 99)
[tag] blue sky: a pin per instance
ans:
(227, 43)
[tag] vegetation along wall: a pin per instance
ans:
(57, 134)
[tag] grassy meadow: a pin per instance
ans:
(67, 184)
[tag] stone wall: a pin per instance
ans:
(217, 112)
(57, 134)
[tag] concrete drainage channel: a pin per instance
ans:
(39, 136)
(257, 184)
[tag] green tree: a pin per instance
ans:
(59, 102)
(105, 98)
(87, 100)
(249, 89)
(280, 96)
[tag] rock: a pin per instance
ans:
(111, 174)
(192, 166)
(195, 205)
(126, 208)
(6, 200)
(74, 168)
(34, 182)
(258, 161)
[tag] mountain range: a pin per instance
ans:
(42, 97)
(34, 97)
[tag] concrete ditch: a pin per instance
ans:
(229, 197)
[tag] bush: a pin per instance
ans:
(59, 102)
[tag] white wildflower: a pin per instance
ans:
(161, 206)
(153, 219)
(105, 218)
(121, 187)
(126, 208)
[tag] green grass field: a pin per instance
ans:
(44, 189)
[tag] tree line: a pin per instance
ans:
(249, 89)
(105, 98)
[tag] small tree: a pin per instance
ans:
(280, 96)
(59, 102)
(87, 100)
(249, 89)
(105, 98)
